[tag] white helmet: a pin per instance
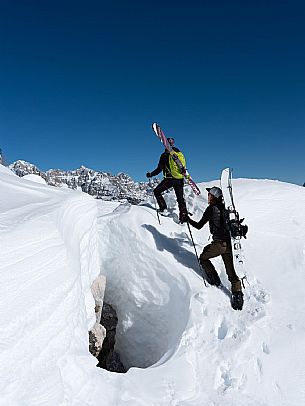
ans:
(215, 191)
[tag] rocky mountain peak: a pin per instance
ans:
(101, 185)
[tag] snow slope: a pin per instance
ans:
(182, 342)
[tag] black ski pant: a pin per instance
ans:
(224, 249)
(166, 184)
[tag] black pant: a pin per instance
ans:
(166, 184)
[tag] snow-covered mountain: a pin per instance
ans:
(101, 185)
(181, 341)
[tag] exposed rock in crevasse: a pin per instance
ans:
(108, 358)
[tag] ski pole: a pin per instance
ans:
(155, 203)
(188, 224)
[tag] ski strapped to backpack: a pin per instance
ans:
(179, 169)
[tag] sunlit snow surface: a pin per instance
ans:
(182, 342)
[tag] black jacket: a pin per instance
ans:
(214, 214)
(163, 164)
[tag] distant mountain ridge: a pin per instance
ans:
(101, 185)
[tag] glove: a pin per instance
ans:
(148, 175)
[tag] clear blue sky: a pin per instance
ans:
(81, 83)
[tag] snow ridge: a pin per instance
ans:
(183, 343)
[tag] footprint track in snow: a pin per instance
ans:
(222, 330)
(265, 348)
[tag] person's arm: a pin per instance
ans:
(160, 167)
(204, 219)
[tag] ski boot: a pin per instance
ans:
(237, 300)
(183, 214)
(161, 203)
(163, 212)
(212, 278)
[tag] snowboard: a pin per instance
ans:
(237, 230)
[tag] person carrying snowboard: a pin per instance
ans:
(221, 245)
(172, 178)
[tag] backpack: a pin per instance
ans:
(174, 167)
(234, 226)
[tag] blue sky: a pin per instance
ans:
(81, 83)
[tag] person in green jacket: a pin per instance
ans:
(172, 179)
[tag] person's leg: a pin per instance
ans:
(178, 187)
(237, 299)
(162, 187)
(211, 251)
(227, 258)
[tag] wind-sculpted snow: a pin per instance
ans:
(48, 259)
(182, 342)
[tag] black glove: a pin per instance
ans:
(148, 175)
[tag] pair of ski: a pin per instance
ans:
(160, 134)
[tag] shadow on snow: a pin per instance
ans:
(174, 246)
